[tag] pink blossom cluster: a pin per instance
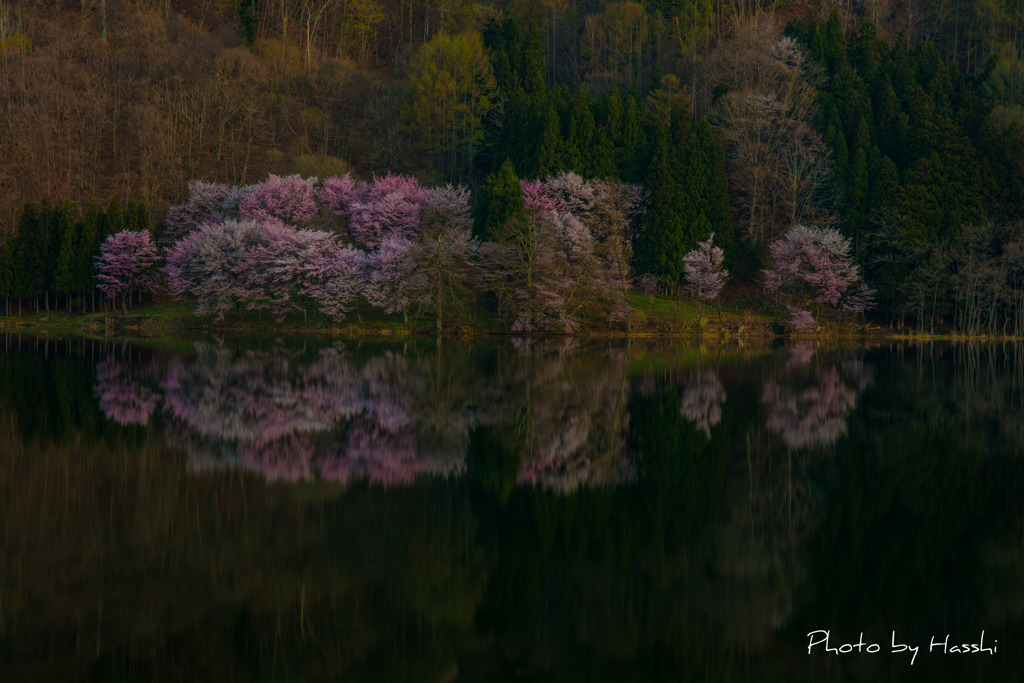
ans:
(127, 264)
(264, 265)
(813, 265)
(572, 252)
(703, 270)
(418, 242)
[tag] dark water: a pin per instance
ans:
(298, 512)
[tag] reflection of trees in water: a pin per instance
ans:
(815, 414)
(391, 417)
(572, 415)
(122, 397)
(702, 401)
(776, 501)
(725, 552)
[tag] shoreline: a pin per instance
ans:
(170, 322)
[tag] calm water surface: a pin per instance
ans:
(547, 511)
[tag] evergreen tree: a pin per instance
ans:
(580, 140)
(660, 247)
(716, 193)
(248, 13)
(25, 277)
(532, 63)
(632, 151)
(501, 198)
(69, 240)
(85, 258)
(551, 157)
(503, 44)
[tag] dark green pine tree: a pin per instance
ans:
(248, 18)
(920, 201)
(26, 275)
(502, 41)
(113, 221)
(884, 182)
(551, 157)
(633, 150)
(47, 247)
(70, 244)
(67, 242)
(143, 218)
(7, 271)
(532, 65)
(835, 138)
(691, 181)
(857, 201)
(661, 244)
(92, 238)
(903, 79)
(601, 158)
(865, 52)
(716, 194)
(501, 198)
(580, 140)
(611, 117)
(832, 44)
(891, 124)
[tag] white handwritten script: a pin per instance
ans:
(820, 641)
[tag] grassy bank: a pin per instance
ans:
(652, 316)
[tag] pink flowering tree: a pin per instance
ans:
(704, 273)
(128, 264)
(206, 203)
(213, 265)
(270, 275)
(443, 256)
(388, 276)
(571, 252)
(337, 194)
(538, 268)
(800, 320)
(387, 207)
(812, 266)
(329, 274)
(289, 200)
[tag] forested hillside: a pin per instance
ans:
(897, 121)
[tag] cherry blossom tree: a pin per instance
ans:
(537, 268)
(388, 273)
(443, 257)
(571, 251)
(337, 194)
(800, 321)
(206, 203)
(127, 264)
(289, 200)
(704, 273)
(326, 272)
(213, 265)
(387, 207)
(812, 265)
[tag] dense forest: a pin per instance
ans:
(898, 122)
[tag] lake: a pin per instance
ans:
(545, 510)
